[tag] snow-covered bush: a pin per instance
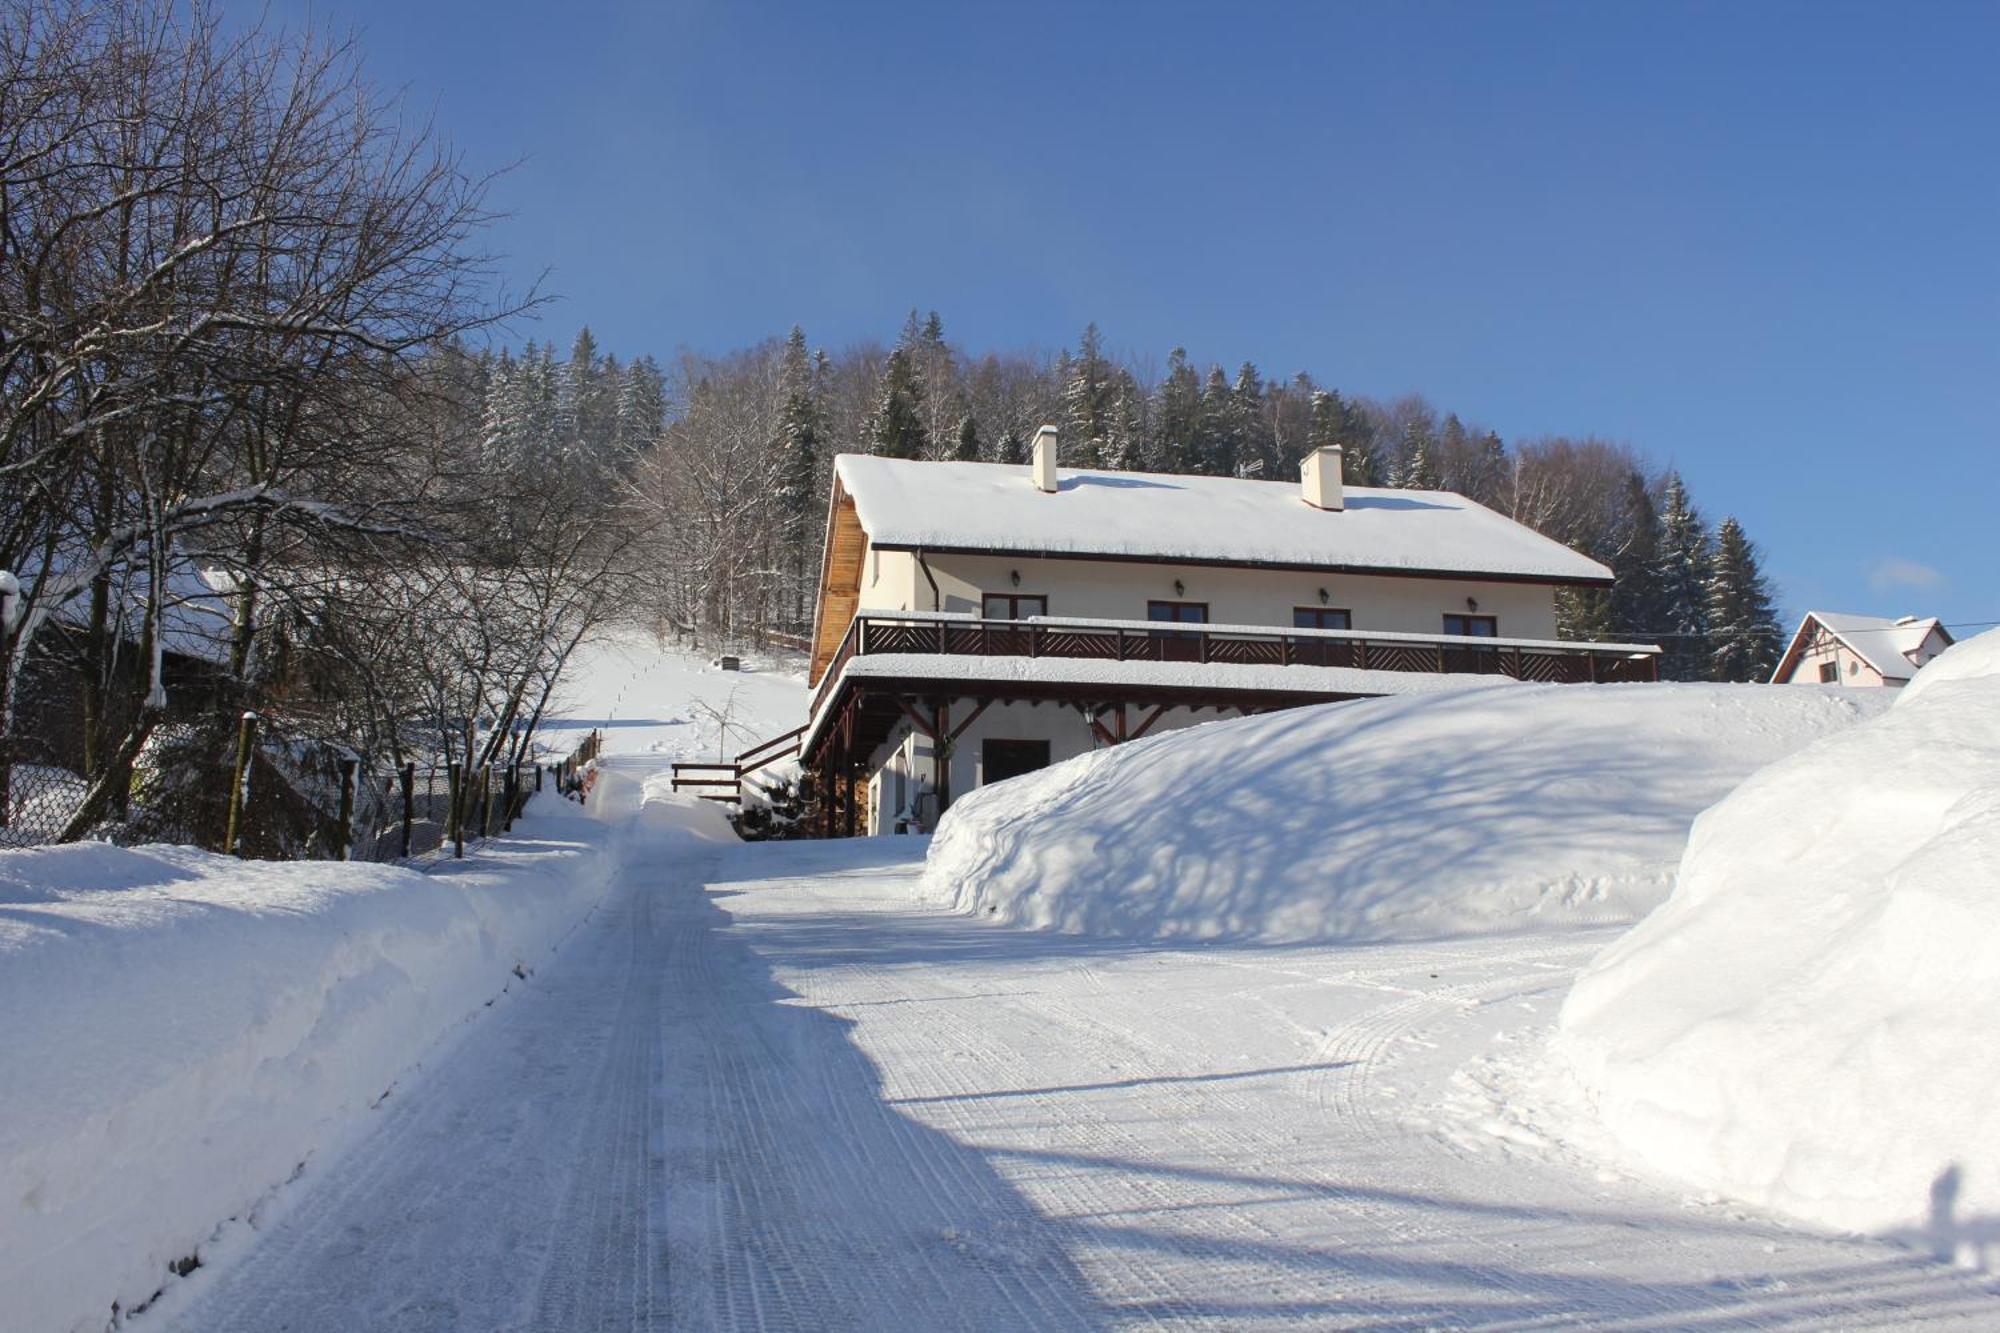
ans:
(1809, 1022)
(1479, 811)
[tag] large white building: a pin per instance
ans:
(979, 620)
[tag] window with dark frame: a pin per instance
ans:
(1013, 605)
(1460, 657)
(1472, 627)
(1184, 613)
(1177, 645)
(1321, 617)
(1829, 673)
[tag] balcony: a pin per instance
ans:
(948, 635)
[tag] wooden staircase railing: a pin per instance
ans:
(723, 781)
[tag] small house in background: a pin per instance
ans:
(1834, 648)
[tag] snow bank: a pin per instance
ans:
(1481, 811)
(184, 1031)
(1808, 1023)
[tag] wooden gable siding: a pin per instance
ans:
(839, 580)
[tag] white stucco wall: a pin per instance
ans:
(1854, 669)
(908, 755)
(1109, 590)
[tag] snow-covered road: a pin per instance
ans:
(766, 1090)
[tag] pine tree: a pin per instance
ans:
(1744, 632)
(1355, 433)
(1420, 471)
(1125, 448)
(1013, 449)
(898, 430)
(796, 466)
(1216, 428)
(642, 408)
(1584, 614)
(1087, 395)
(798, 438)
(967, 449)
(1179, 416)
(1256, 450)
(1637, 605)
(1683, 625)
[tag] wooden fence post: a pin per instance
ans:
(486, 801)
(409, 804)
(344, 821)
(239, 783)
(510, 787)
(455, 777)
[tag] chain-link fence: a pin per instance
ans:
(296, 802)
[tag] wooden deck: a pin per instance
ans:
(1123, 641)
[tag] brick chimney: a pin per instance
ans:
(1319, 478)
(1043, 456)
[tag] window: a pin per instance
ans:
(1475, 660)
(1003, 759)
(1186, 613)
(1829, 673)
(1013, 606)
(1316, 651)
(1178, 645)
(1473, 627)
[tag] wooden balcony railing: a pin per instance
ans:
(1555, 662)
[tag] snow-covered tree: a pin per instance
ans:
(1683, 626)
(899, 424)
(1743, 626)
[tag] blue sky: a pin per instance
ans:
(1758, 241)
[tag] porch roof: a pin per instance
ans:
(1232, 679)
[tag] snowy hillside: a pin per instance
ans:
(1483, 811)
(1809, 1022)
(672, 703)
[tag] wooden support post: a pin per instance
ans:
(486, 801)
(409, 804)
(941, 751)
(239, 784)
(343, 835)
(455, 778)
(851, 797)
(1152, 717)
(509, 788)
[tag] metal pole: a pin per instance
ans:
(344, 831)
(239, 782)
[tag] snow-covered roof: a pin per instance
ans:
(197, 614)
(1886, 644)
(952, 506)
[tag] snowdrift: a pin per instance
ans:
(1808, 1023)
(184, 1031)
(1480, 811)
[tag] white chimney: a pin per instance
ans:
(1044, 459)
(1319, 477)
